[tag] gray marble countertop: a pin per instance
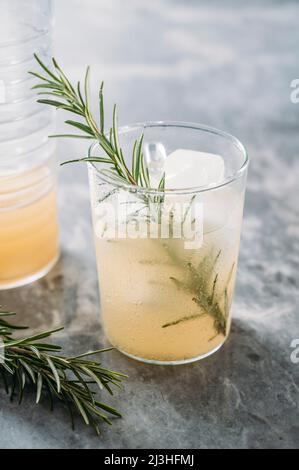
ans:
(228, 64)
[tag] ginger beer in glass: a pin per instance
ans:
(167, 259)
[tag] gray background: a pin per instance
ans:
(228, 64)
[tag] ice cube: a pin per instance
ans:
(189, 168)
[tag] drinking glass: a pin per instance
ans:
(29, 244)
(167, 259)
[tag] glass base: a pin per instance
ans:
(173, 363)
(29, 279)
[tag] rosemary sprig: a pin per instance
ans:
(198, 282)
(30, 362)
(62, 94)
(183, 319)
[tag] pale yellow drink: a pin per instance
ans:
(160, 301)
(29, 243)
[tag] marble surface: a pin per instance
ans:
(228, 64)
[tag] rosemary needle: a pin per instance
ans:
(29, 362)
(197, 283)
(58, 91)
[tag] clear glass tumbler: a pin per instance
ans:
(167, 259)
(29, 244)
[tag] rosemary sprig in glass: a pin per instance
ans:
(29, 362)
(64, 95)
(201, 282)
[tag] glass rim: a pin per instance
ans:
(194, 189)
